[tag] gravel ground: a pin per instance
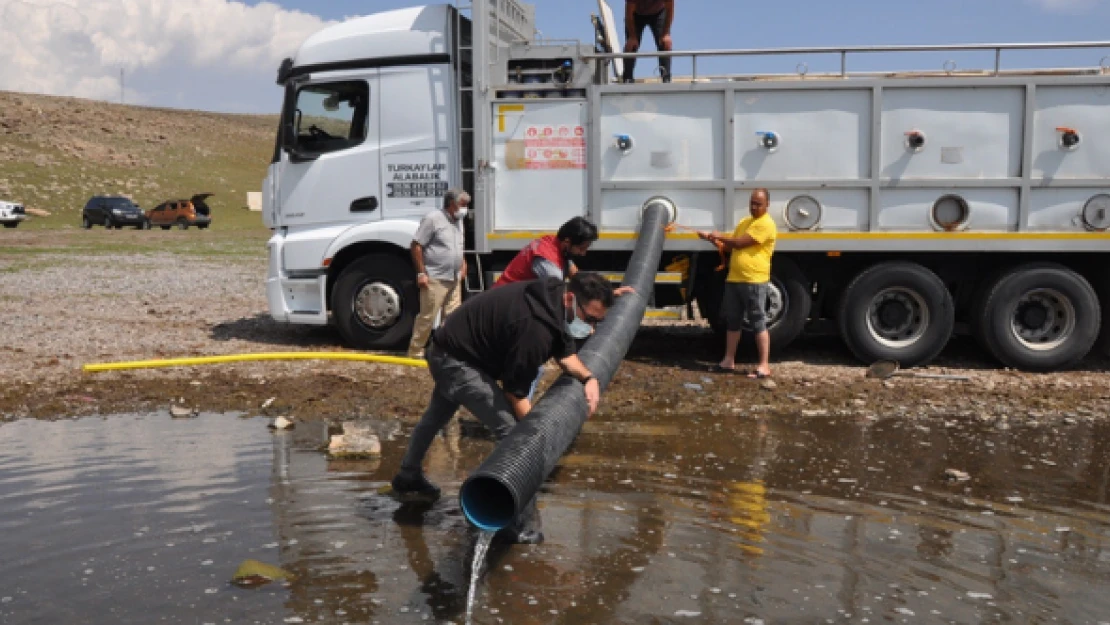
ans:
(58, 312)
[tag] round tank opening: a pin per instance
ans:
(950, 212)
(1096, 212)
(802, 212)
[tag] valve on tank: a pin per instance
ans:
(768, 140)
(915, 140)
(1067, 138)
(563, 75)
(624, 143)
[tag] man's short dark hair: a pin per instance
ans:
(588, 286)
(578, 230)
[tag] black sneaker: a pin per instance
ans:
(414, 487)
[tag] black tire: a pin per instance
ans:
(788, 283)
(1103, 342)
(182, 224)
(1039, 317)
(202, 226)
(796, 293)
(708, 292)
(394, 277)
(896, 311)
(85, 223)
(11, 224)
(164, 227)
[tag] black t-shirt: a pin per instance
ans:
(508, 332)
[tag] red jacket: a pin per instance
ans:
(520, 269)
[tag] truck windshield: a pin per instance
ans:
(331, 116)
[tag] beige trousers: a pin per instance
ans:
(440, 296)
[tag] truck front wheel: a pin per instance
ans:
(375, 301)
(1039, 317)
(896, 311)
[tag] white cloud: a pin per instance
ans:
(172, 51)
(1071, 6)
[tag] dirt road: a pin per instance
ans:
(61, 309)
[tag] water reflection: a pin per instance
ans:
(711, 519)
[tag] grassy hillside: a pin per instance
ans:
(57, 152)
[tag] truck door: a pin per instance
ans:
(328, 168)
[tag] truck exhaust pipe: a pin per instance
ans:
(511, 476)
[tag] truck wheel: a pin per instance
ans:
(788, 308)
(164, 227)
(896, 311)
(375, 301)
(1039, 317)
(708, 291)
(11, 224)
(1104, 308)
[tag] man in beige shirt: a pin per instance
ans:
(437, 253)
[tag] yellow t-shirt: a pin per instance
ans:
(752, 264)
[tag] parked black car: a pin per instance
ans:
(113, 212)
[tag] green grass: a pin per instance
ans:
(100, 242)
(55, 153)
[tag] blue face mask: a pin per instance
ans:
(577, 328)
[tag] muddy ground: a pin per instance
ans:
(61, 311)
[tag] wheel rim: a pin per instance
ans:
(777, 302)
(897, 317)
(1043, 319)
(377, 305)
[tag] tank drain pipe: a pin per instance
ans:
(511, 476)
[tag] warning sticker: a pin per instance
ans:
(554, 147)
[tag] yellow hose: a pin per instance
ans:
(209, 360)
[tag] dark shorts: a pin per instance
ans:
(743, 306)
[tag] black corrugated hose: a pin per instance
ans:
(511, 476)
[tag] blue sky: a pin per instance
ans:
(222, 55)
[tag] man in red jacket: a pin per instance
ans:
(550, 256)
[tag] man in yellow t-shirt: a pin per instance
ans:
(748, 284)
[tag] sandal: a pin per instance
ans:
(720, 369)
(758, 375)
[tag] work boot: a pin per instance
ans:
(413, 486)
(523, 537)
(526, 528)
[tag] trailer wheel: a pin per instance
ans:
(787, 305)
(375, 301)
(896, 311)
(790, 301)
(1104, 308)
(1039, 317)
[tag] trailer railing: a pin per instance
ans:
(997, 48)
